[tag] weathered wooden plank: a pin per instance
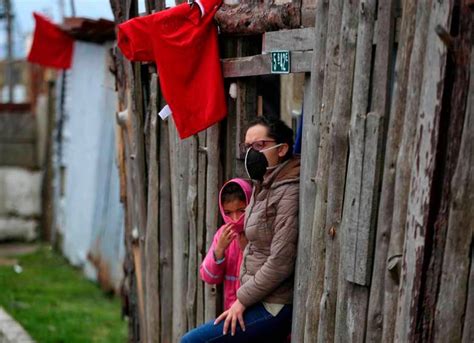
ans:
(246, 110)
(152, 303)
(421, 180)
(166, 238)
(317, 263)
(123, 120)
(191, 206)
(261, 64)
(452, 118)
(246, 106)
(139, 278)
(402, 173)
(179, 178)
(468, 327)
(339, 128)
(137, 157)
(352, 197)
(201, 225)
(311, 105)
(361, 186)
(375, 316)
(294, 40)
(360, 102)
(212, 194)
(138, 147)
(369, 201)
(308, 12)
(453, 289)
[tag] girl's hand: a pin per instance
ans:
(232, 315)
(226, 237)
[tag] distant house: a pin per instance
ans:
(88, 215)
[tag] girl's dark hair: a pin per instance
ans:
(277, 130)
(232, 191)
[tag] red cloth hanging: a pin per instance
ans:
(183, 42)
(51, 47)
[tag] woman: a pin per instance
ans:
(262, 311)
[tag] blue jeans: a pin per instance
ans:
(260, 326)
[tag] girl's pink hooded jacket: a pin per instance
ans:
(229, 269)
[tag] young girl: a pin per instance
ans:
(222, 262)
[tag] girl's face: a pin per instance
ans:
(234, 209)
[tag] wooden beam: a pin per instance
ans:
(294, 40)
(261, 64)
(249, 18)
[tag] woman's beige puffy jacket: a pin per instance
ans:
(271, 227)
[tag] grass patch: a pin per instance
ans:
(55, 303)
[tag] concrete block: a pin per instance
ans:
(17, 229)
(20, 192)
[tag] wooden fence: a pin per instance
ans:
(387, 180)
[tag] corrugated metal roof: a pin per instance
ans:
(90, 30)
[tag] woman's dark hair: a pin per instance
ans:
(277, 130)
(232, 191)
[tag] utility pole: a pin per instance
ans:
(9, 61)
(73, 8)
(61, 9)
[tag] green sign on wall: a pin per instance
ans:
(281, 62)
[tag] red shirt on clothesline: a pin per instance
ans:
(183, 42)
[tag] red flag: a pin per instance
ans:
(51, 47)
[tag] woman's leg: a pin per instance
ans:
(260, 326)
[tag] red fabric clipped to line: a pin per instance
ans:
(183, 42)
(51, 47)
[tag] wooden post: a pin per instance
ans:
(454, 283)
(212, 194)
(339, 129)
(421, 180)
(152, 303)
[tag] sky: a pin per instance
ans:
(24, 23)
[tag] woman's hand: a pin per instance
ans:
(226, 237)
(232, 315)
